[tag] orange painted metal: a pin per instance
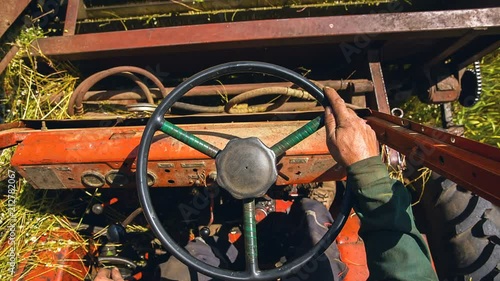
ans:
(283, 206)
(352, 250)
(67, 155)
(60, 158)
(70, 261)
(12, 133)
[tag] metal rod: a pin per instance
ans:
(189, 139)
(71, 16)
(380, 101)
(250, 236)
(298, 136)
(457, 45)
(357, 86)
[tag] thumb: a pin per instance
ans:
(115, 275)
(330, 122)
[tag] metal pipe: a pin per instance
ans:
(356, 86)
(76, 99)
(131, 217)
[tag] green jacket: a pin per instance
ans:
(394, 247)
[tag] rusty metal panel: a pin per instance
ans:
(11, 9)
(43, 177)
(265, 33)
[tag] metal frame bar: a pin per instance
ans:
(380, 99)
(71, 17)
(470, 164)
(264, 33)
(460, 43)
(474, 57)
(8, 57)
(11, 9)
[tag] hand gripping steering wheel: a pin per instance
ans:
(246, 168)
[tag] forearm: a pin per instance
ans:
(395, 249)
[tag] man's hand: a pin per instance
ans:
(348, 137)
(105, 274)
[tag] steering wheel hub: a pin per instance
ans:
(246, 168)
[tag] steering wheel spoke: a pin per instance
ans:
(250, 236)
(299, 135)
(189, 139)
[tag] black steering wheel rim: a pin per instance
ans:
(155, 122)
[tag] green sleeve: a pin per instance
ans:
(394, 247)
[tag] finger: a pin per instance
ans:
(103, 273)
(115, 275)
(338, 105)
(330, 122)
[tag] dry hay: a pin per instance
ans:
(35, 234)
(29, 94)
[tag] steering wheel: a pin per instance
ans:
(246, 168)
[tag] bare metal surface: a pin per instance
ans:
(44, 177)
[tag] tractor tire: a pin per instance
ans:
(463, 231)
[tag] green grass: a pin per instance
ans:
(482, 121)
